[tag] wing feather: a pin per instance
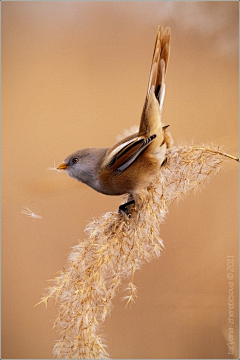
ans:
(125, 154)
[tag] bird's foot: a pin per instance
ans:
(125, 208)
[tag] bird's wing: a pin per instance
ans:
(157, 77)
(122, 156)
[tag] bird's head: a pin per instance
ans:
(77, 165)
(84, 165)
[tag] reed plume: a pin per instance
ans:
(115, 247)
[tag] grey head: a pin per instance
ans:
(84, 165)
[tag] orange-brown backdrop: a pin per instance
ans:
(74, 75)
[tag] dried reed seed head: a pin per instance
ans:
(115, 249)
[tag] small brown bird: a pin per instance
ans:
(133, 162)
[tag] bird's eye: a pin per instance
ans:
(74, 160)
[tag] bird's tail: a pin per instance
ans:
(159, 65)
(151, 115)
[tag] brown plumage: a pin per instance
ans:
(132, 163)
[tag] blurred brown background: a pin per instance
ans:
(74, 75)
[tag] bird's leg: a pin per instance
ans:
(124, 207)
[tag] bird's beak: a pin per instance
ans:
(62, 166)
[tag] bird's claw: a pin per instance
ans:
(124, 208)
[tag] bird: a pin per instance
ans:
(131, 164)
